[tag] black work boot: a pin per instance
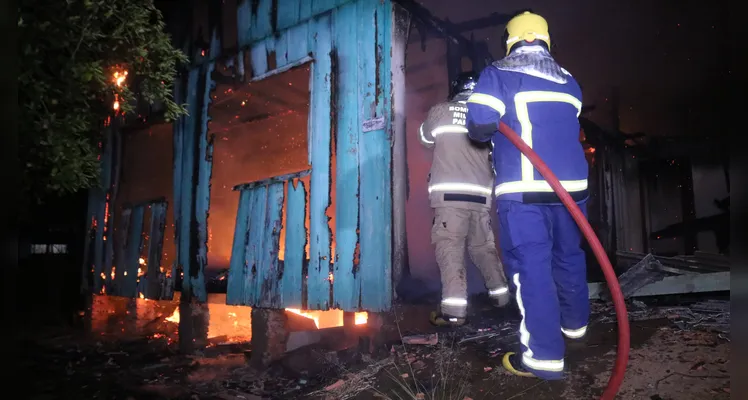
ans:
(576, 343)
(439, 319)
(501, 300)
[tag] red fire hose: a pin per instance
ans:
(622, 355)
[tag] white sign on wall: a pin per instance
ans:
(373, 124)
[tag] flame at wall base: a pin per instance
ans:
(217, 325)
(361, 318)
(115, 317)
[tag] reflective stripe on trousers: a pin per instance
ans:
(524, 338)
(574, 333)
(498, 291)
(454, 307)
(541, 248)
(453, 230)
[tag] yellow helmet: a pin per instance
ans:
(528, 27)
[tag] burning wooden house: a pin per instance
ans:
(289, 169)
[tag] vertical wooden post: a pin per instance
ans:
(191, 210)
(400, 34)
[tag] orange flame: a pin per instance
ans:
(360, 318)
(174, 317)
(313, 317)
(321, 319)
(119, 80)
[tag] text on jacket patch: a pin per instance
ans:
(459, 114)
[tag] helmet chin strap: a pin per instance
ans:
(461, 96)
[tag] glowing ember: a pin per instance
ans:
(141, 295)
(141, 260)
(119, 80)
(106, 215)
(330, 277)
(313, 317)
(361, 318)
(113, 270)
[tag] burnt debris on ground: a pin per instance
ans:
(709, 315)
(414, 361)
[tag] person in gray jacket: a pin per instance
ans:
(460, 183)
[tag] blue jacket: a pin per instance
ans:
(541, 102)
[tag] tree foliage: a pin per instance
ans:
(72, 53)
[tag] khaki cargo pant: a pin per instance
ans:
(453, 228)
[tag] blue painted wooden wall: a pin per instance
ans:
(98, 249)
(349, 45)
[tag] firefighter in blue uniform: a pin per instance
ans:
(540, 242)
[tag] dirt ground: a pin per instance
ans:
(666, 362)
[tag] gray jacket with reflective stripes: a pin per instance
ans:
(461, 174)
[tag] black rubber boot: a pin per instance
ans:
(439, 319)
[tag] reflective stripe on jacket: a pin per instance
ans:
(460, 174)
(544, 112)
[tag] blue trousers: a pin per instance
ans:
(543, 258)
